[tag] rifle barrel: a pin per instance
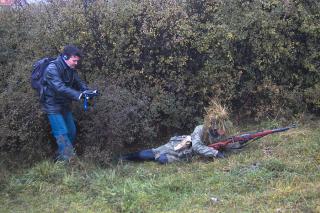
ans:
(243, 138)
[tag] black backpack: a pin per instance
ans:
(38, 73)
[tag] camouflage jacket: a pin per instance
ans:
(197, 147)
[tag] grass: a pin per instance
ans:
(278, 173)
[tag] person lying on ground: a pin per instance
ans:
(216, 126)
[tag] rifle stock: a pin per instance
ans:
(244, 138)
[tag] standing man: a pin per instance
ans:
(62, 85)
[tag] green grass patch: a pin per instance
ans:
(278, 173)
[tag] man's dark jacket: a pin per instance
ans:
(61, 85)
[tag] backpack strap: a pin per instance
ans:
(61, 70)
(58, 65)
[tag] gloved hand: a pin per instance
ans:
(220, 155)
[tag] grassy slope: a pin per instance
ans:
(278, 173)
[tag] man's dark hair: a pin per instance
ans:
(71, 50)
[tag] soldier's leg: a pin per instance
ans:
(162, 159)
(167, 158)
(138, 156)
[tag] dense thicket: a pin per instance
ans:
(157, 65)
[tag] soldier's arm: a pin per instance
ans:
(198, 146)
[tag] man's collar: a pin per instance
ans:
(64, 62)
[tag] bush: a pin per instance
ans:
(24, 129)
(158, 64)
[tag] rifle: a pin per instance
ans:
(244, 138)
(88, 94)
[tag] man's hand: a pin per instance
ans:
(87, 94)
(220, 155)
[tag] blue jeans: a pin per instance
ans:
(64, 130)
(145, 155)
